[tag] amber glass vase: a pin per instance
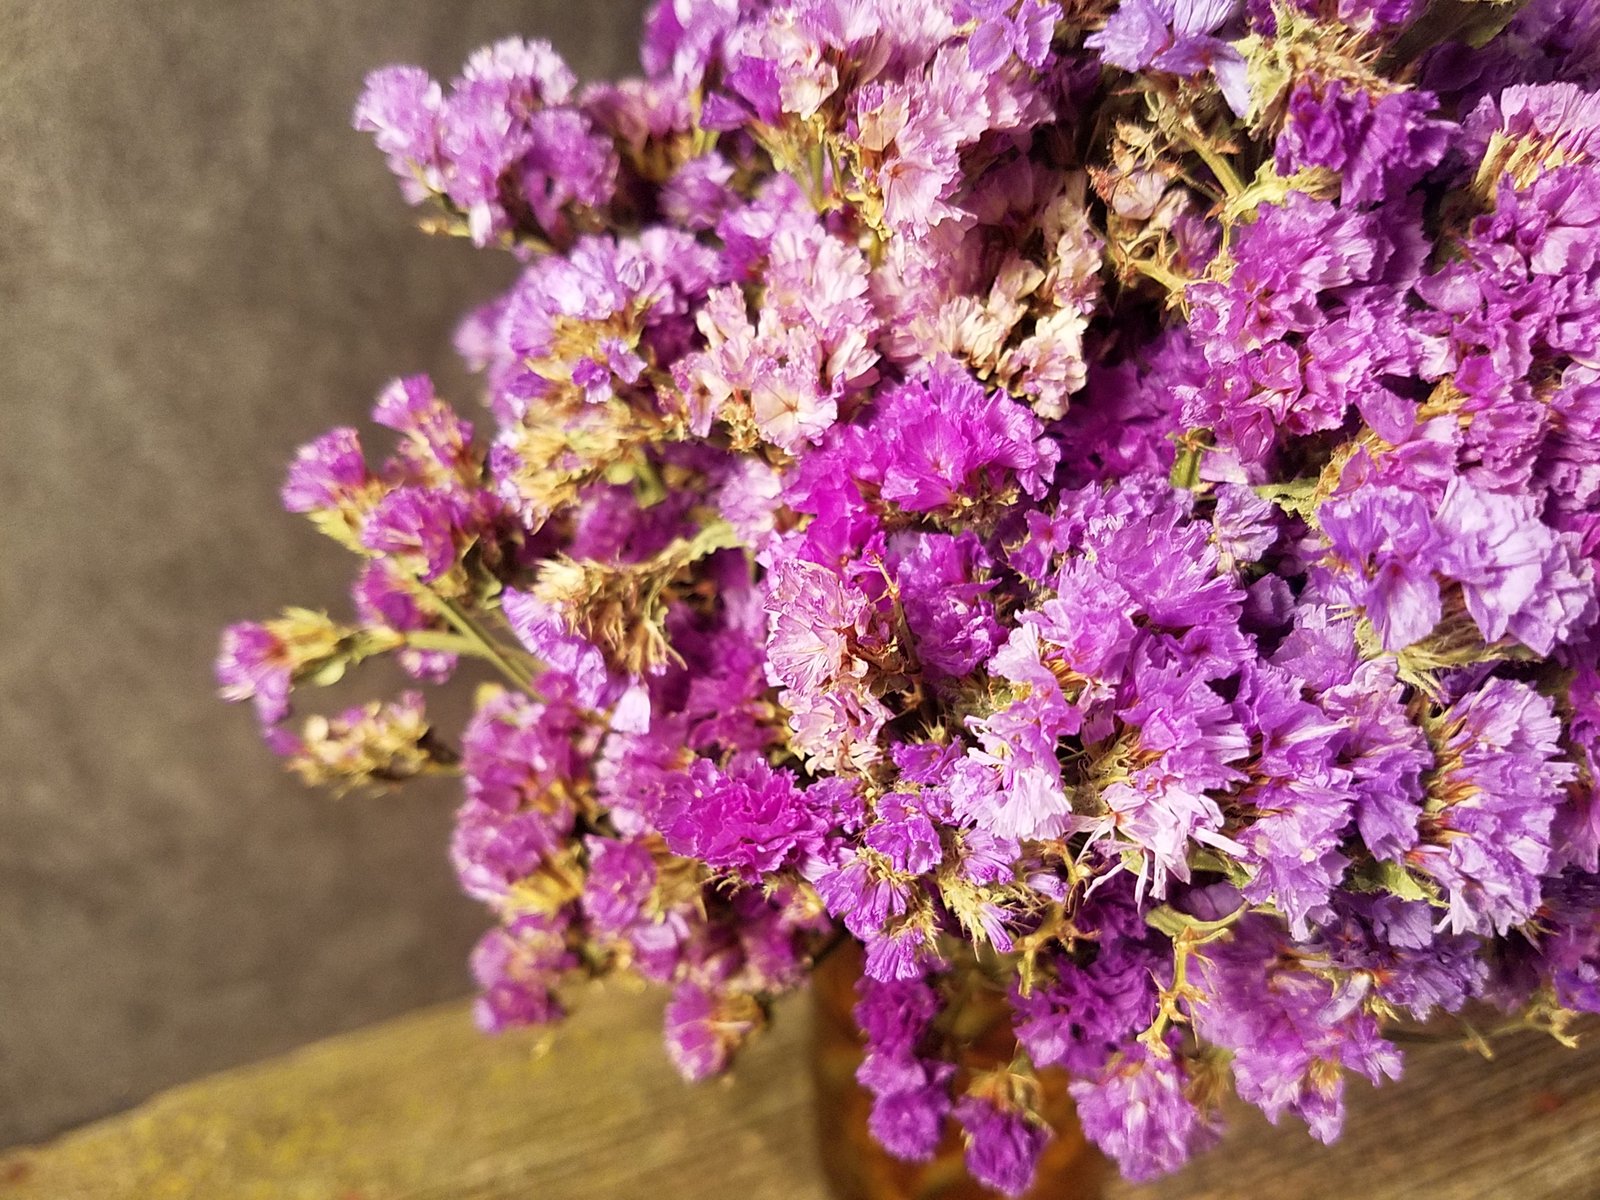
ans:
(858, 1168)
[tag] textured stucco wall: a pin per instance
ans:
(201, 266)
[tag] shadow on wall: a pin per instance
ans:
(202, 267)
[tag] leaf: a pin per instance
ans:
(1386, 875)
(326, 673)
(1475, 22)
(1168, 920)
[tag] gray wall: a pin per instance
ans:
(201, 266)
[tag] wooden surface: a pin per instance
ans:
(424, 1108)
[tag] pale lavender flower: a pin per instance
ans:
(328, 473)
(1139, 1111)
(1175, 36)
(1494, 798)
(1003, 1144)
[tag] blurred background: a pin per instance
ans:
(201, 267)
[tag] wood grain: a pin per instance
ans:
(424, 1108)
(1456, 1127)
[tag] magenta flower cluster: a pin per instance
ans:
(1095, 503)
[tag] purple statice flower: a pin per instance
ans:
(698, 194)
(621, 878)
(750, 230)
(1552, 123)
(436, 446)
(505, 136)
(1333, 248)
(870, 897)
(1566, 954)
(749, 818)
(1298, 801)
(1381, 146)
(776, 933)
(400, 107)
(568, 164)
(681, 37)
(580, 321)
(1568, 467)
(785, 369)
(1083, 631)
(781, 66)
(905, 951)
(479, 144)
(1390, 947)
(635, 768)
(254, 664)
(1516, 575)
(704, 1027)
(1492, 801)
(748, 499)
(1175, 36)
(424, 527)
(1291, 1043)
(908, 1122)
(610, 526)
(1004, 1143)
(1183, 743)
(1367, 15)
(1004, 29)
(528, 72)
(1576, 834)
(638, 115)
(921, 123)
(520, 759)
(1181, 591)
(517, 968)
(493, 851)
(1385, 753)
(1121, 424)
(1288, 266)
(1321, 649)
(1141, 1110)
(819, 629)
(1386, 538)
(1423, 457)
(1071, 652)
(1377, 14)
(1010, 783)
(329, 473)
(1146, 540)
(1245, 525)
(910, 1089)
(1524, 266)
(927, 763)
(943, 586)
(383, 598)
(726, 700)
(943, 442)
(1100, 995)
(579, 666)
(904, 835)
(519, 752)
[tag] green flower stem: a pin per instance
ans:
(438, 639)
(484, 645)
(1221, 168)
